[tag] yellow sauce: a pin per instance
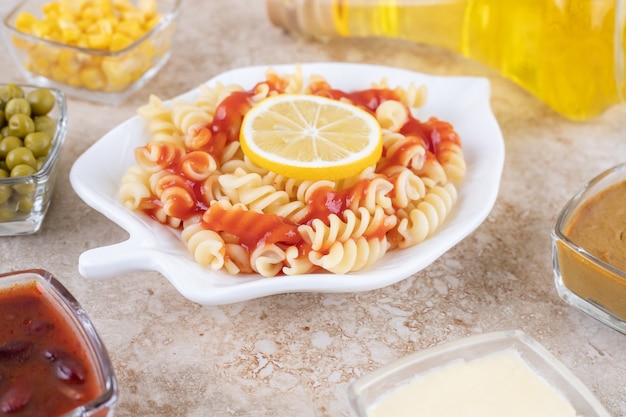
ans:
(599, 227)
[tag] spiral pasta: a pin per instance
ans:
(321, 235)
(135, 187)
(159, 121)
(240, 218)
(421, 220)
(351, 255)
(188, 117)
(206, 246)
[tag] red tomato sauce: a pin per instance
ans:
(44, 367)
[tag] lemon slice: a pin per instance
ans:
(309, 137)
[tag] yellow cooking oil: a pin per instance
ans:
(568, 53)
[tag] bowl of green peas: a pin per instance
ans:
(33, 126)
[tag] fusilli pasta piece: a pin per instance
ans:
(159, 122)
(392, 115)
(135, 187)
(210, 96)
(267, 260)
(206, 246)
(427, 216)
(322, 235)
(155, 157)
(189, 118)
(351, 255)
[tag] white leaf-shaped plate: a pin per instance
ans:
(462, 101)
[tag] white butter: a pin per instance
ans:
(497, 385)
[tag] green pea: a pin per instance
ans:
(5, 193)
(4, 132)
(17, 106)
(24, 204)
(39, 143)
(41, 101)
(22, 170)
(26, 189)
(7, 144)
(8, 92)
(21, 156)
(45, 124)
(6, 214)
(21, 125)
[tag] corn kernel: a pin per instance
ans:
(24, 22)
(68, 62)
(116, 74)
(91, 14)
(130, 28)
(104, 6)
(59, 74)
(99, 40)
(152, 23)
(70, 8)
(119, 82)
(120, 41)
(51, 8)
(122, 5)
(106, 26)
(74, 80)
(40, 29)
(92, 78)
(82, 43)
(70, 33)
(148, 7)
(20, 43)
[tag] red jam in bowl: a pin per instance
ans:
(49, 364)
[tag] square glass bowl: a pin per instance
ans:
(371, 388)
(24, 200)
(589, 249)
(54, 362)
(87, 53)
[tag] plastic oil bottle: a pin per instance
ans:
(568, 53)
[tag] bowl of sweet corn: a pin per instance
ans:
(97, 50)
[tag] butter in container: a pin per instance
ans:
(589, 249)
(496, 374)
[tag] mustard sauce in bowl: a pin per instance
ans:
(589, 249)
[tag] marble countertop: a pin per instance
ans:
(296, 354)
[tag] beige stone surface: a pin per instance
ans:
(296, 354)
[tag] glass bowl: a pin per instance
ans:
(53, 361)
(465, 360)
(71, 54)
(589, 276)
(24, 200)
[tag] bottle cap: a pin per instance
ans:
(282, 14)
(304, 17)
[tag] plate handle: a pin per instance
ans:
(106, 261)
